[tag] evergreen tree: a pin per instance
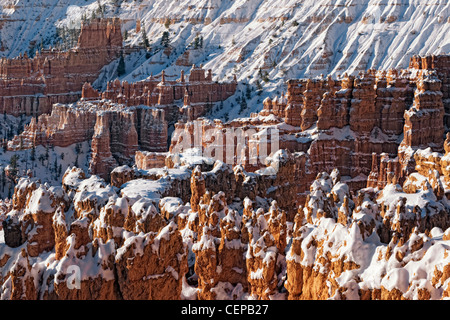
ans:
(258, 87)
(31, 52)
(165, 39)
(265, 76)
(41, 158)
(33, 153)
(243, 104)
(248, 93)
(47, 156)
(13, 166)
(55, 165)
(198, 42)
(121, 66)
(3, 180)
(144, 37)
(10, 134)
(100, 9)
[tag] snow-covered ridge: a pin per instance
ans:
(286, 39)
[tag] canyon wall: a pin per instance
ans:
(197, 93)
(340, 123)
(125, 118)
(106, 243)
(32, 85)
(352, 202)
(116, 132)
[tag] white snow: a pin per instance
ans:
(287, 39)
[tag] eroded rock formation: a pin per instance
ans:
(339, 123)
(197, 93)
(339, 246)
(124, 119)
(32, 85)
(115, 131)
(350, 205)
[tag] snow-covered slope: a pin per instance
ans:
(285, 38)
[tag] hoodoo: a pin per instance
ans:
(239, 150)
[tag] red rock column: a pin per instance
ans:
(427, 112)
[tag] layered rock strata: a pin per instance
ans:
(275, 181)
(196, 93)
(124, 119)
(440, 63)
(339, 123)
(102, 245)
(299, 223)
(116, 132)
(387, 243)
(32, 85)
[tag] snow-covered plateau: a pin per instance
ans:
(264, 41)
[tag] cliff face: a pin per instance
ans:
(31, 85)
(115, 132)
(196, 93)
(368, 114)
(441, 64)
(125, 117)
(339, 123)
(388, 243)
(288, 40)
(336, 189)
(65, 125)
